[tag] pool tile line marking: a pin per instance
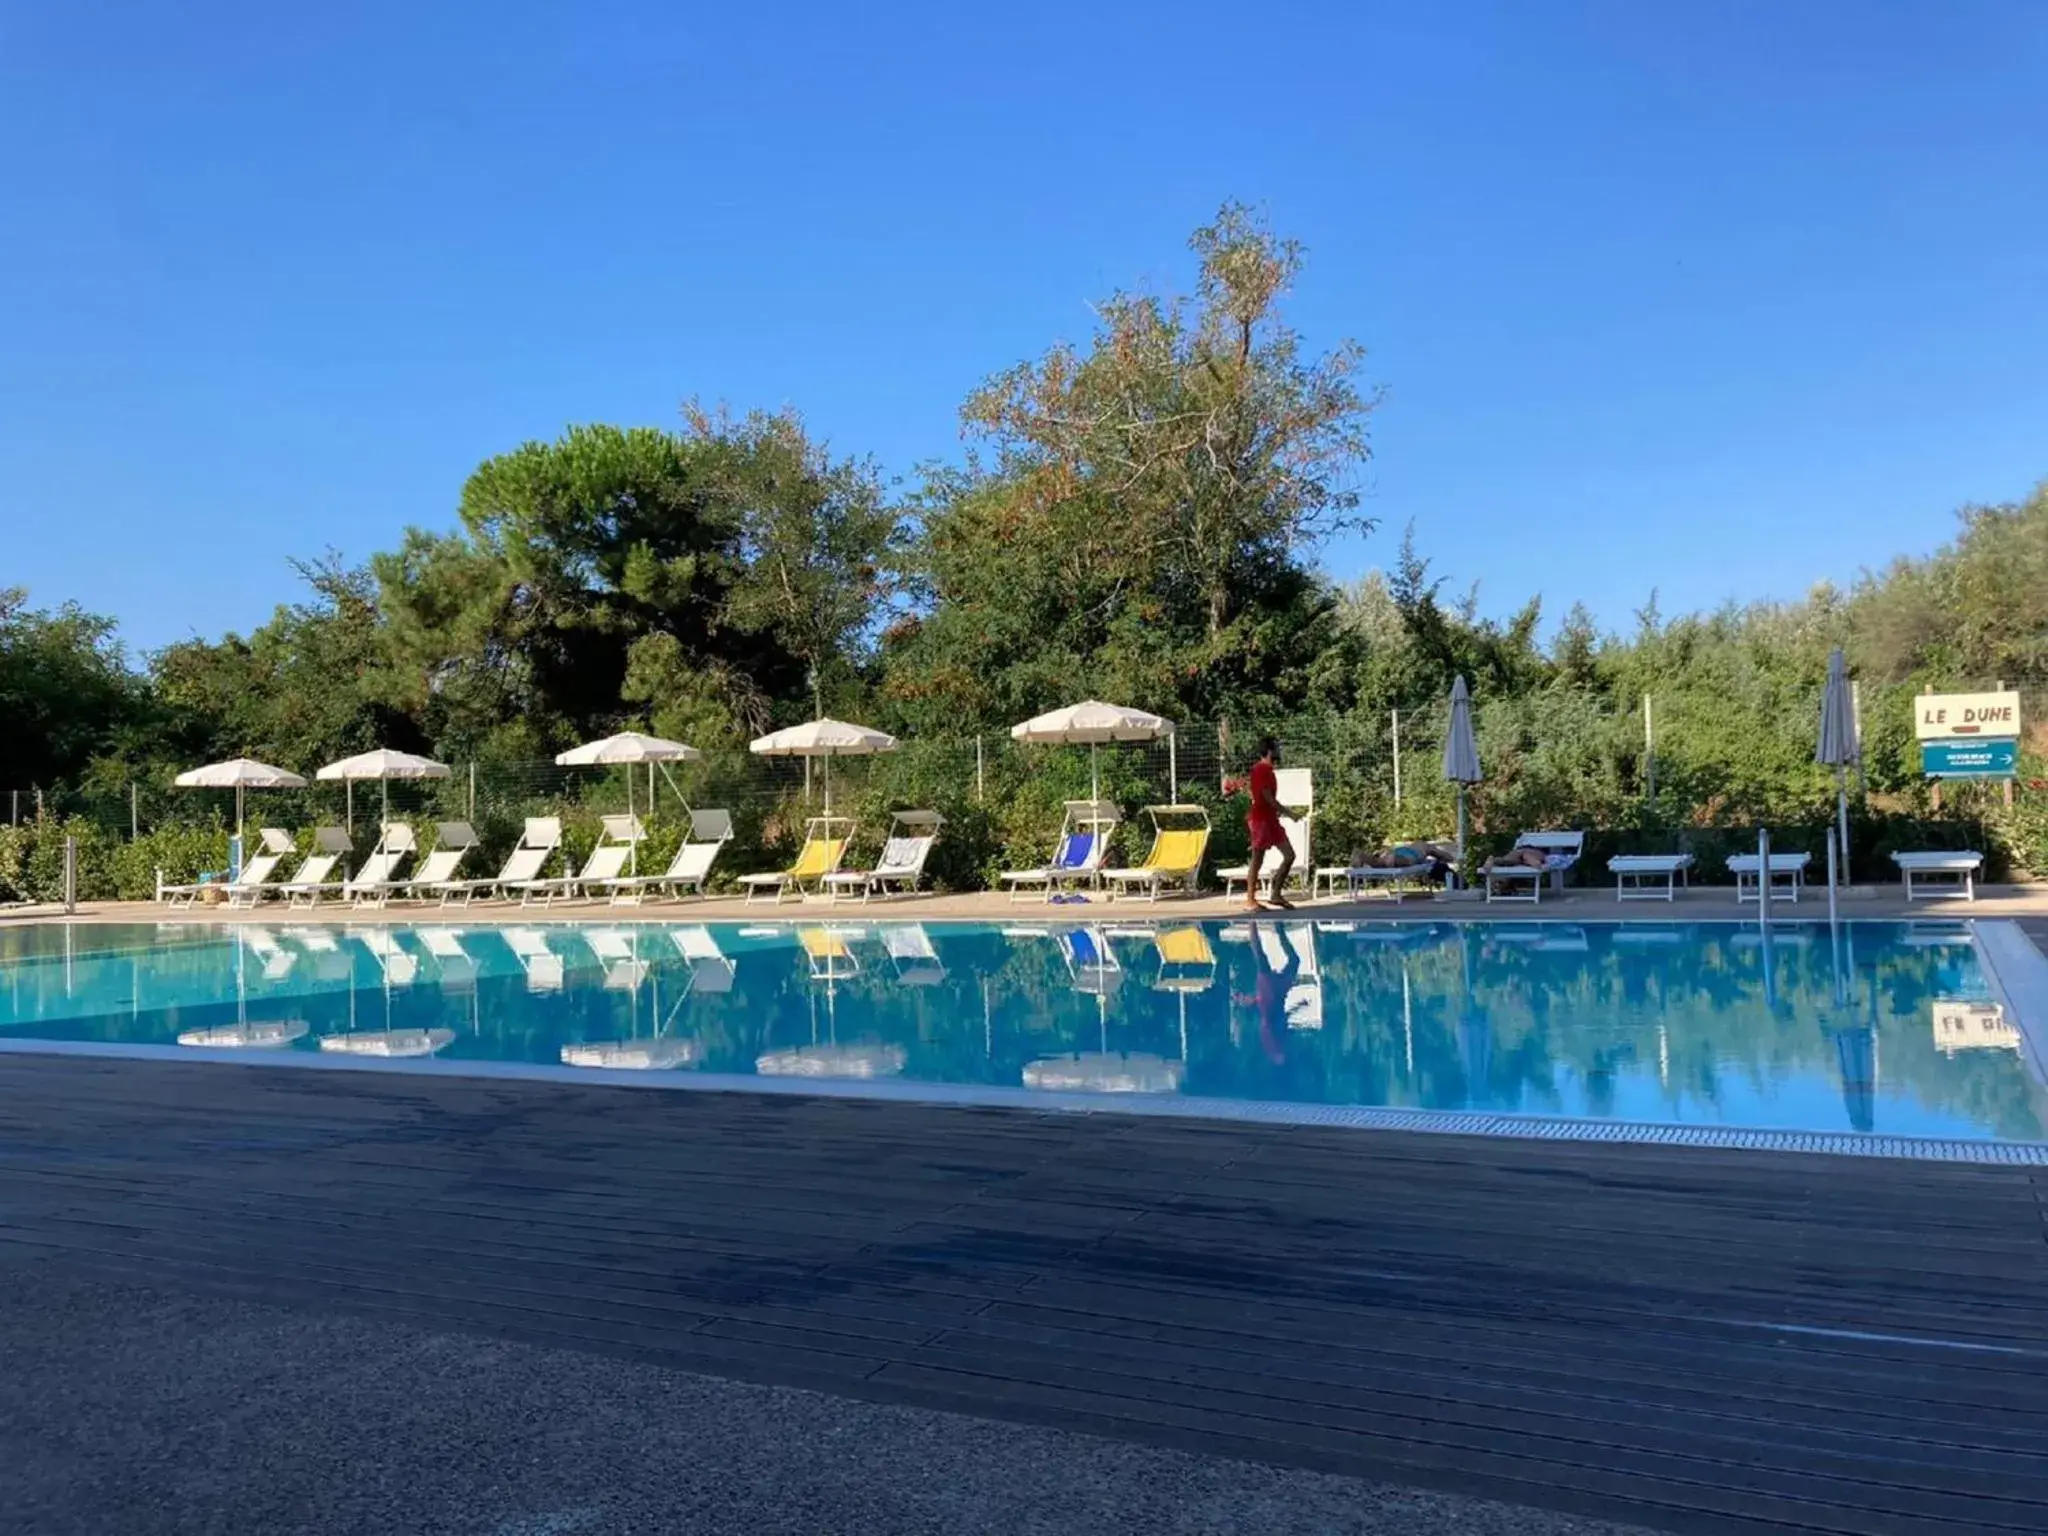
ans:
(1479, 1123)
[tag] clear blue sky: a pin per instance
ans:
(1717, 298)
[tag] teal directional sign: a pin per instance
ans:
(1966, 759)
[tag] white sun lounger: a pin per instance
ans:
(1648, 876)
(1952, 874)
(373, 884)
(1560, 851)
(314, 877)
(251, 888)
(616, 840)
(901, 864)
(1786, 876)
(453, 841)
(709, 832)
(527, 863)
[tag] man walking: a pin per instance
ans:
(1263, 821)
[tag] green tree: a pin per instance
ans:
(1133, 517)
(67, 693)
(815, 545)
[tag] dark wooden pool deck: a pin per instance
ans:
(1694, 1340)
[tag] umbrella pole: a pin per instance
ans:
(1095, 773)
(1461, 831)
(632, 856)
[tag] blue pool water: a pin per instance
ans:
(1875, 1027)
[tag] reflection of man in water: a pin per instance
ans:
(1270, 989)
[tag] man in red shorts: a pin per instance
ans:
(1263, 821)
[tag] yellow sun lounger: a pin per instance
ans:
(825, 842)
(1176, 856)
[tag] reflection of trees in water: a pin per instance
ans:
(1437, 1020)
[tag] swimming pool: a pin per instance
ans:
(1886, 1029)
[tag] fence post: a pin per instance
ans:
(70, 874)
(39, 804)
(1649, 750)
(1397, 759)
(980, 780)
(1173, 768)
(134, 811)
(1856, 725)
(472, 792)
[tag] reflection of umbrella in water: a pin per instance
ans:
(1855, 1041)
(831, 960)
(657, 1054)
(827, 1060)
(398, 968)
(263, 1035)
(243, 1034)
(388, 1042)
(1095, 970)
(1105, 1072)
(618, 950)
(1856, 1060)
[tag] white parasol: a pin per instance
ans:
(629, 748)
(241, 774)
(823, 738)
(1091, 723)
(383, 765)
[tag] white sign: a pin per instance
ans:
(1940, 716)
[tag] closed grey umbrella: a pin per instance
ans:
(1461, 753)
(1837, 748)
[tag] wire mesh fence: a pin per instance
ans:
(1689, 772)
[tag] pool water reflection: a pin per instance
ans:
(1885, 1027)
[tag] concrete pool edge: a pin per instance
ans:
(1478, 1123)
(2017, 973)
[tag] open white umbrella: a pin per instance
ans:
(383, 765)
(629, 748)
(823, 738)
(241, 774)
(1461, 753)
(1837, 749)
(1091, 723)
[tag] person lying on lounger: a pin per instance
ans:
(1519, 858)
(1438, 858)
